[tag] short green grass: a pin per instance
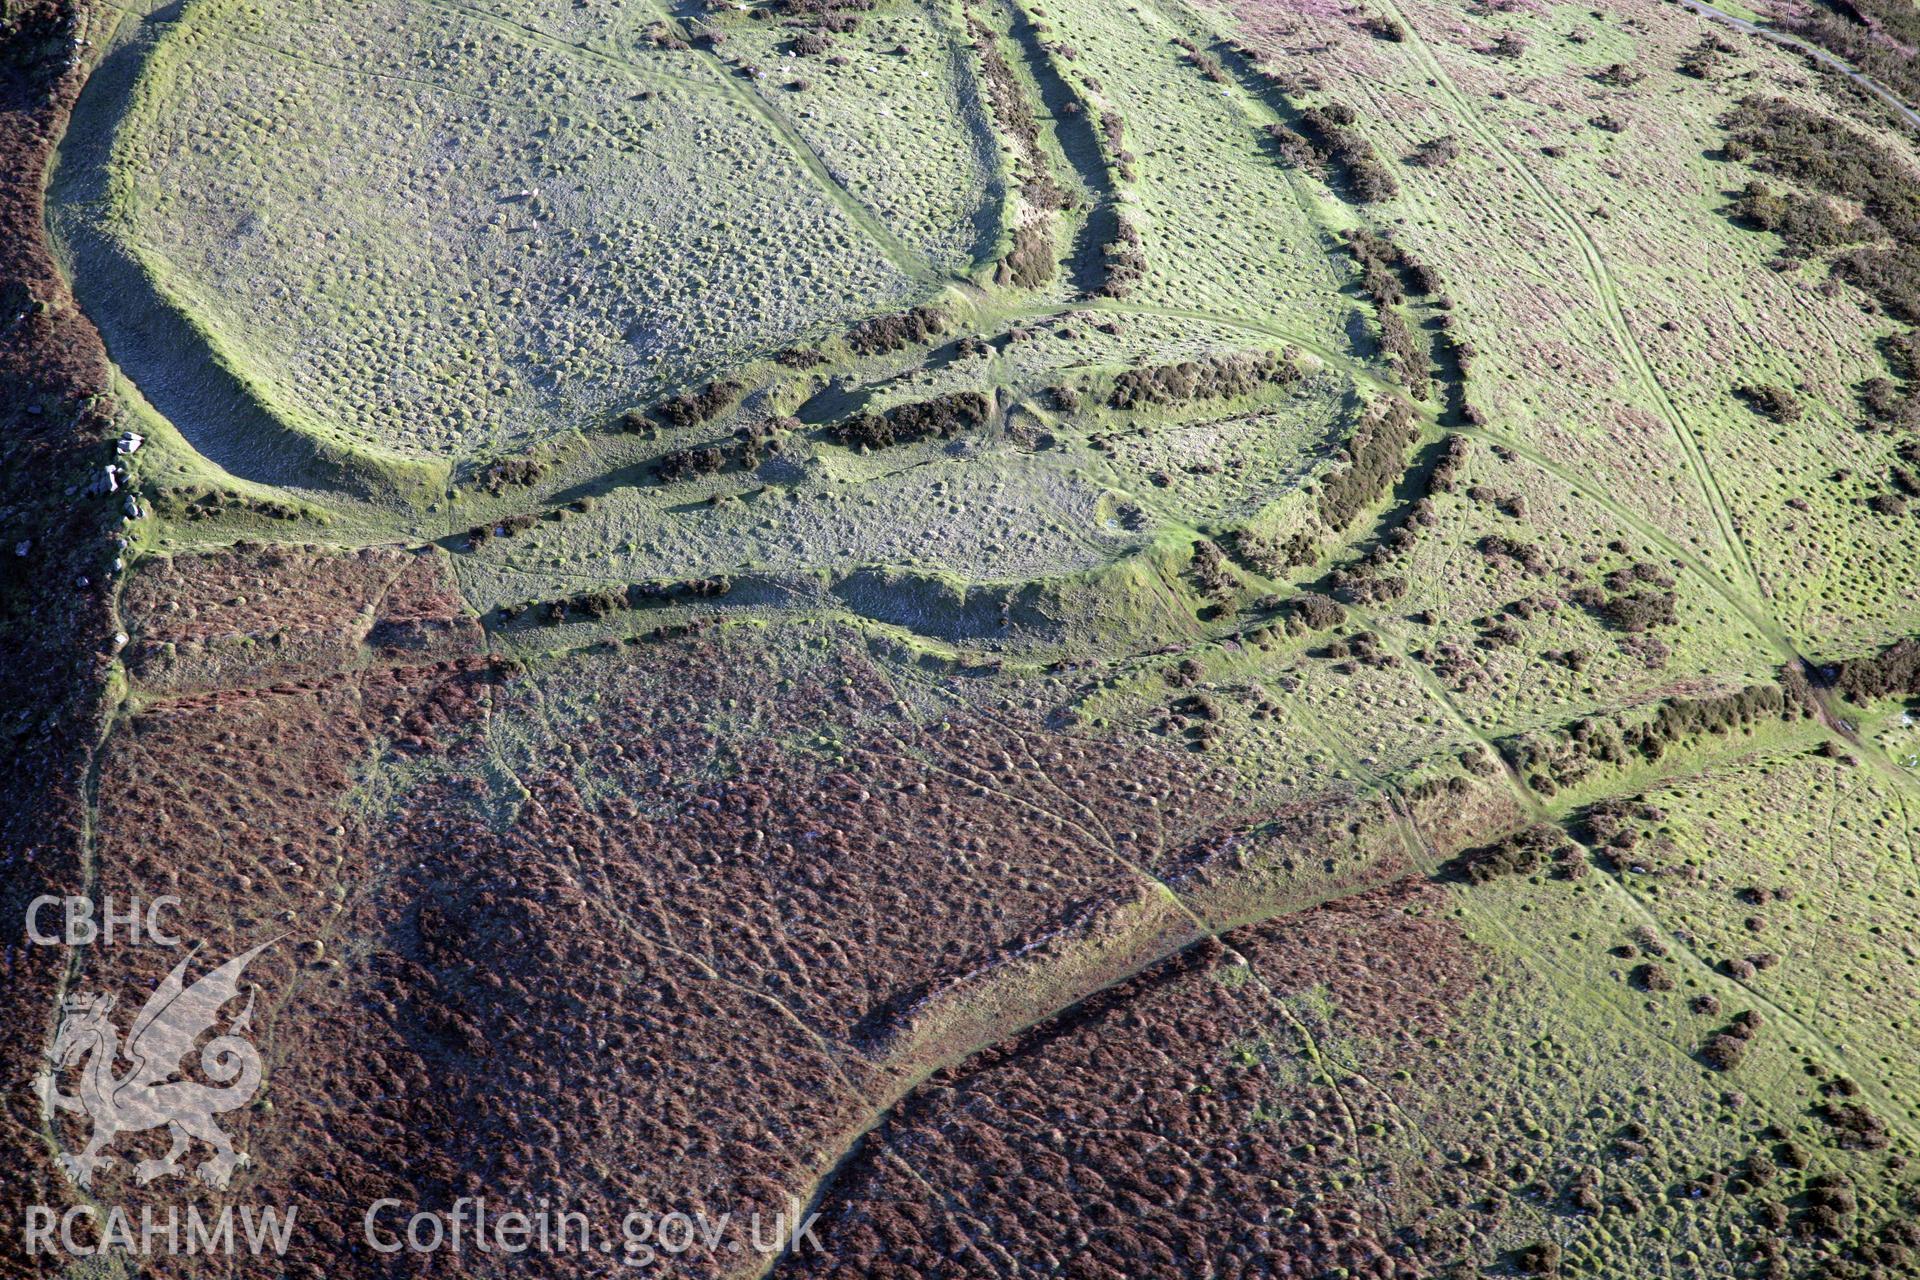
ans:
(416, 237)
(461, 237)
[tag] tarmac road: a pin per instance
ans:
(1867, 82)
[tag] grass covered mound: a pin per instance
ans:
(1104, 640)
(467, 233)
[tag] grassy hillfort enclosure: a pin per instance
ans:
(960, 638)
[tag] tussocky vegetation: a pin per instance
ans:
(1164, 640)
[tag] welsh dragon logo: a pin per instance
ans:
(146, 1096)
